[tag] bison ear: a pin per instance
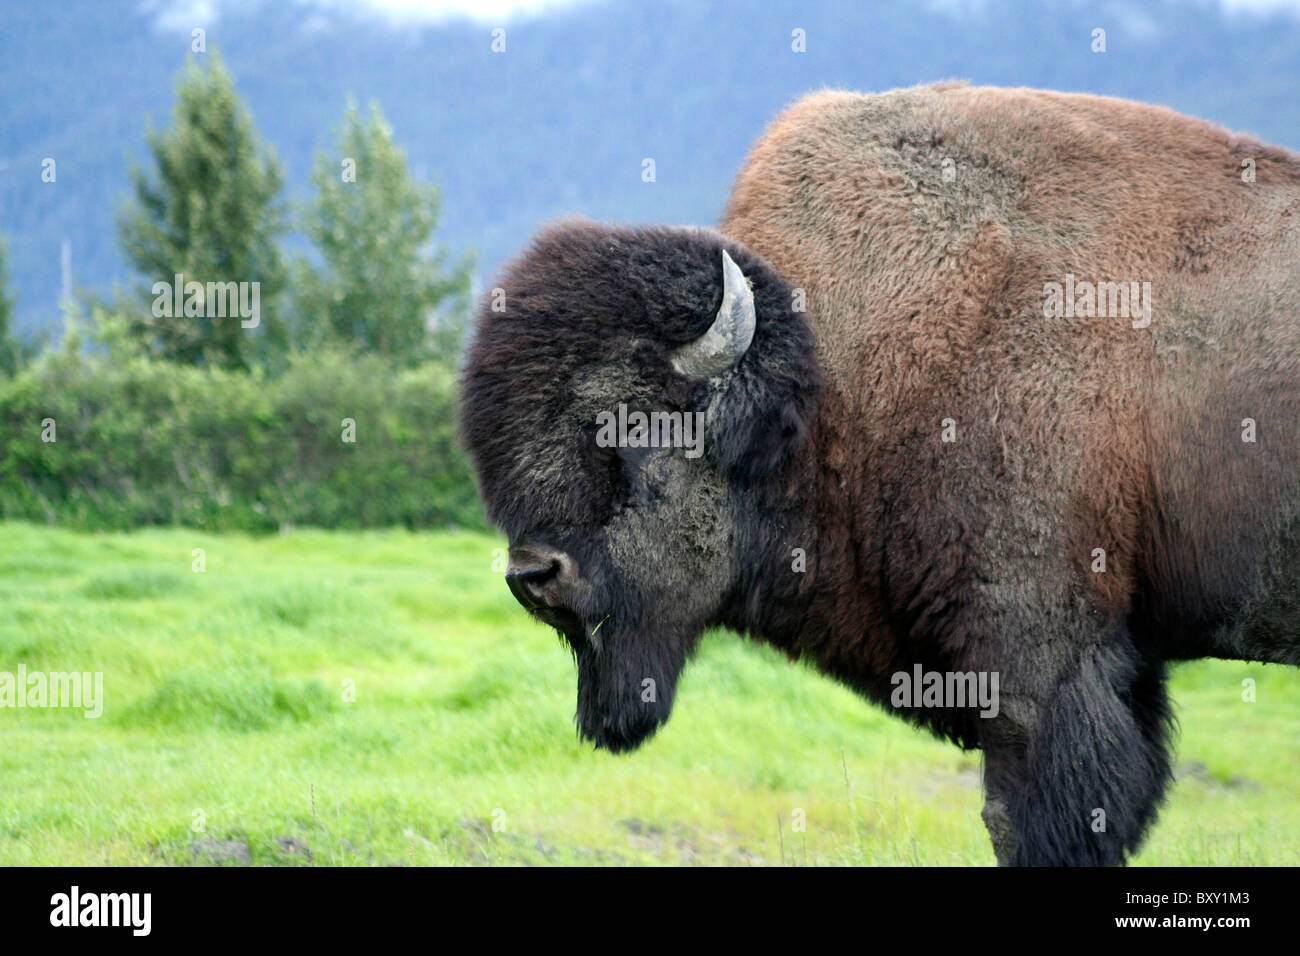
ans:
(763, 411)
(755, 427)
(728, 338)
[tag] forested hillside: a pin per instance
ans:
(561, 121)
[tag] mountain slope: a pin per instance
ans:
(560, 122)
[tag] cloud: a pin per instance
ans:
(180, 16)
(184, 15)
(1261, 6)
(485, 11)
(1139, 19)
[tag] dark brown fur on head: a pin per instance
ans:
(587, 318)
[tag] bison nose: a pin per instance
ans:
(540, 576)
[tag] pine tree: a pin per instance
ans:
(211, 213)
(386, 287)
(14, 351)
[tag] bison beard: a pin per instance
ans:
(626, 686)
(908, 462)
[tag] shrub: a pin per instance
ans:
(139, 441)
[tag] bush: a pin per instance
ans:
(140, 441)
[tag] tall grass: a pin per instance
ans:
(228, 732)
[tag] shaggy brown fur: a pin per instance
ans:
(1073, 433)
(922, 227)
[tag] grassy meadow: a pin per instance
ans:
(229, 734)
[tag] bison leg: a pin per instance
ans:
(1002, 829)
(1074, 772)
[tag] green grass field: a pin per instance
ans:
(226, 735)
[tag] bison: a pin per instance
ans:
(992, 382)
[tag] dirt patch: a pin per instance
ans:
(220, 853)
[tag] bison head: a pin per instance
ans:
(630, 549)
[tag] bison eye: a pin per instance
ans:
(633, 458)
(619, 480)
(644, 476)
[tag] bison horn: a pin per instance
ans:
(729, 336)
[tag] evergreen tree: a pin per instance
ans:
(15, 351)
(386, 287)
(9, 347)
(211, 213)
